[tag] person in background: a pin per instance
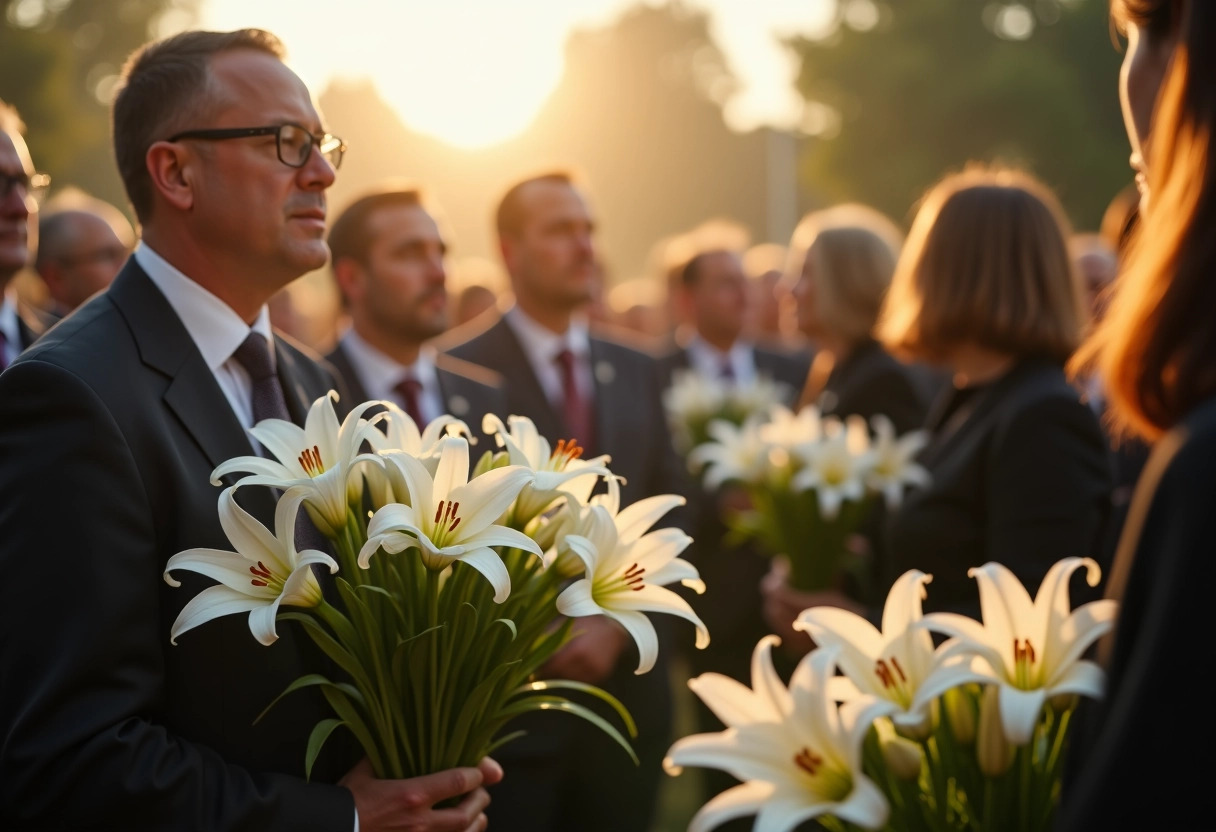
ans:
(1155, 351)
(767, 321)
(20, 189)
(471, 301)
(573, 383)
(1018, 464)
(840, 265)
(132, 402)
(388, 257)
(82, 243)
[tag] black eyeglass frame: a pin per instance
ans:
(331, 148)
(35, 184)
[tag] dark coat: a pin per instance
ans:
(109, 429)
(1020, 476)
(1138, 758)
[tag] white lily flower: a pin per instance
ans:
(451, 517)
(787, 429)
(835, 466)
(558, 472)
(1031, 649)
(321, 460)
(761, 396)
(736, 452)
(263, 573)
(896, 664)
(797, 753)
(894, 467)
(693, 397)
(626, 570)
(401, 434)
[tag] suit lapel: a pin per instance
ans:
(352, 392)
(298, 400)
(525, 396)
(609, 430)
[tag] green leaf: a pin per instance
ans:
(305, 681)
(528, 704)
(599, 693)
(320, 733)
(339, 654)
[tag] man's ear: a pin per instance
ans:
(349, 275)
(507, 248)
(172, 168)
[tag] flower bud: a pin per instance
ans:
(903, 757)
(489, 461)
(993, 750)
(960, 714)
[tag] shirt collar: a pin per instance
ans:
(8, 318)
(212, 324)
(708, 358)
(380, 374)
(543, 344)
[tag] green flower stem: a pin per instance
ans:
(432, 593)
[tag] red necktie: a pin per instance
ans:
(576, 410)
(409, 389)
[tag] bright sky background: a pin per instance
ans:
(475, 72)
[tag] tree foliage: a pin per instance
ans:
(915, 88)
(59, 60)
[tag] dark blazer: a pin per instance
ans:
(109, 429)
(629, 420)
(559, 771)
(869, 382)
(789, 369)
(1020, 476)
(468, 391)
(1133, 761)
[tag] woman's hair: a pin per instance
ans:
(986, 263)
(1156, 348)
(851, 252)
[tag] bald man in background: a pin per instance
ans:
(83, 242)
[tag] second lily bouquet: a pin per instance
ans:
(965, 737)
(811, 481)
(447, 587)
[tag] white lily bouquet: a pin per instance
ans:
(968, 736)
(694, 401)
(811, 482)
(446, 587)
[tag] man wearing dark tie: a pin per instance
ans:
(388, 260)
(109, 429)
(604, 394)
(20, 188)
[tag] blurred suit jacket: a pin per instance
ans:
(468, 391)
(110, 427)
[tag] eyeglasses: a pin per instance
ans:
(34, 184)
(294, 142)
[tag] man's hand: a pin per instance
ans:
(782, 604)
(591, 654)
(406, 805)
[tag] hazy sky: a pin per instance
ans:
(475, 72)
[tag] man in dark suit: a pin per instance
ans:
(388, 261)
(82, 243)
(19, 188)
(109, 429)
(712, 293)
(606, 395)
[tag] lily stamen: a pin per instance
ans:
(446, 514)
(808, 761)
(633, 577)
(566, 451)
(310, 461)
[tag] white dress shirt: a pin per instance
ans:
(541, 345)
(214, 327)
(708, 361)
(9, 326)
(379, 374)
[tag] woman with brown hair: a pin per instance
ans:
(1138, 760)
(840, 265)
(1018, 463)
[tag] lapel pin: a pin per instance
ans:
(605, 373)
(459, 405)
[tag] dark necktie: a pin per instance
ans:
(576, 409)
(726, 372)
(268, 400)
(3, 350)
(409, 389)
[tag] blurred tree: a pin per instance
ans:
(901, 92)
(59, 62)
